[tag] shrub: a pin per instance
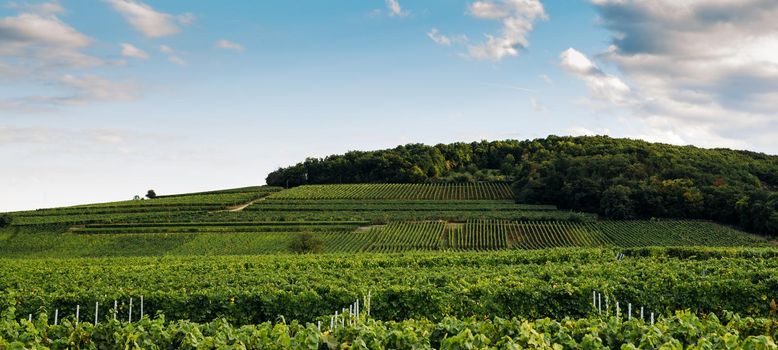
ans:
(5, 221)
(306, 242)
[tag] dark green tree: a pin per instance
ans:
(617, 202)
(305, 242)
(5, 220)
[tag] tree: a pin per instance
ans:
(575, 173)
(151, 194)
(617, 203)
(305, 242)
(5, 220)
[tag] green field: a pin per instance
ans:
(477, 191)
(377, 218)
(681, 330)
(550, 283)
(423, 252)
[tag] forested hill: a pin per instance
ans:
(617, 178)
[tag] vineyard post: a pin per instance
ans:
(607, 305)
(115, 308)
(318, 325)
(641, 314)
(617, 311)
(336, 318)
(332, 323)
(652, 318)
(29, 318)
(594, 300)
(78, 309)
(97, 306)
(629, 312)
(56, 316)
(599, 302)
(129, 314)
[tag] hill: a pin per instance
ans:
(347, 218)
(615, 178)
(432, 253)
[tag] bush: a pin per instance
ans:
(5, 221)
(306, 242)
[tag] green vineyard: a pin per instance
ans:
(430, 251)
(443, 191)
(403, 236)
(677, 331)
(262, 237)
(433, 285)
(479, 235)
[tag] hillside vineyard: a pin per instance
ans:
(435, 257)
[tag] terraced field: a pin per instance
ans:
(444, 191)
(377, 218)
(464, 251)
(402, 236)
(183, 207)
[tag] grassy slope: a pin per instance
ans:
(170, 225)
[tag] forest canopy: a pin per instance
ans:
(616, 178)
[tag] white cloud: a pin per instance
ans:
(546, 79)
(537, 105)
(91, 88)
(129, 50)
(584, 131)
(517, 18)
(45, 57)
(438, 38)
(173, 55)
(73, 90)
(148, 21)
(700, 71)
(229, 45)
(177, 60)
(603, 86)
(395, 9)
(44, 8)
(29, 29)
(445, 40)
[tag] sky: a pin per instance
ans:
(102, 100)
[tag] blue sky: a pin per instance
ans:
(102, 100)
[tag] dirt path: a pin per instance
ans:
(244, 206)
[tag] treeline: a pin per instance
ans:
(616, 178)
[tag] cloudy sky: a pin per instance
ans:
(101, 100)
